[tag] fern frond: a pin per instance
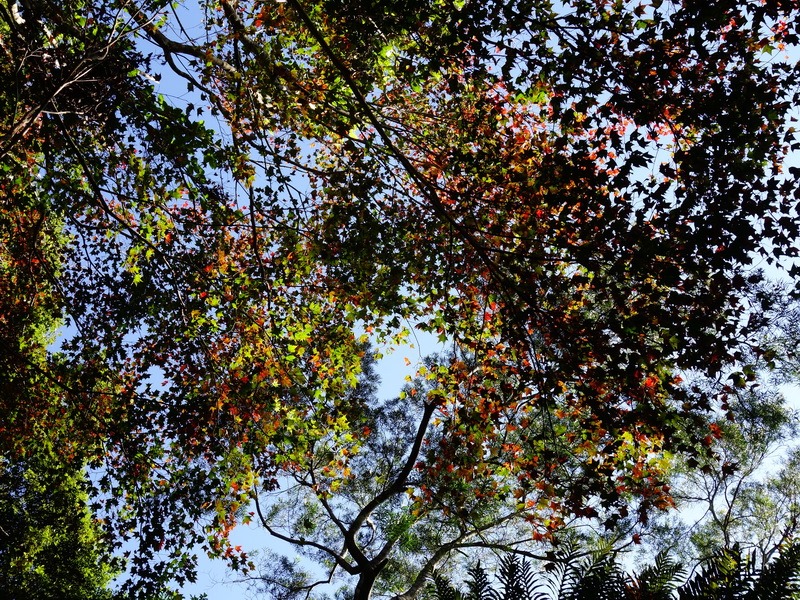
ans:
(443, 590)
(659, 580)
(601, 579)
(560, 576)
(780, 579)
(728, 575)
(479, 586)
(515, 578)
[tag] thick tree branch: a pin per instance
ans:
(171, 47)
(399, 483)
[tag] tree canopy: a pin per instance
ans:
(571, 196)
(50, 546)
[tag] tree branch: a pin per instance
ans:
(340, 560)
(397, 486)
(425, 186)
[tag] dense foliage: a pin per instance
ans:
(50, 547)
(569, 196)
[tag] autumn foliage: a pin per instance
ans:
(571, 197)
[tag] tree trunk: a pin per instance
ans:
(366, 581)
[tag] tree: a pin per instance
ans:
(741, 497)
(746, 493)
(362, 507)
(50, 546)
(570, 195)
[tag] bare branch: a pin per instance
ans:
(340, 559)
